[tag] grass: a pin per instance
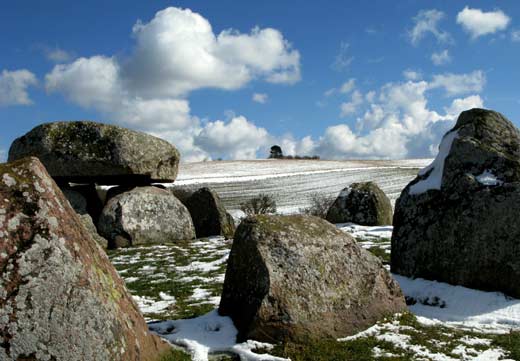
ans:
(180, 270)
(439, 341)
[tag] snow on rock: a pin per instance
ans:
(491, 312)
(487, 178)
(434, 179)
(210, 334)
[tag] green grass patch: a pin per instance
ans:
(380, 253)
(191, 272)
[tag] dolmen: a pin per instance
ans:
(82, 155)
(457, 222)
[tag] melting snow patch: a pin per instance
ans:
(366, 232)
(148, 305)
(209, 334)
(436, 169)
(487, 178)
(479, 311)
(205, 266)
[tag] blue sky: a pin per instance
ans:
(340, 79)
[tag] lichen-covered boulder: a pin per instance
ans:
(361, 203)
(209, 214)
(87, 152)
(457, 222)
(145, 215)
(60, 297)
(299, 278)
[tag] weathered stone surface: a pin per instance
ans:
(117, 190)
(60, 297)
(145, 215)
(457, 222)
(209, 214)
(85, 152)
(91, 227)
(299, 278)
(76, 200)
(361, 203)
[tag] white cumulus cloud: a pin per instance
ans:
(427, 22)
(175, 53)
(350, 107)
(238, 139)
(478, 23)
(441, 58)
(410, 74)
(398, 123)
(348, 86)
(515, 35)
(458, 84)
(57, 55)
(260, 98)
(14, 85)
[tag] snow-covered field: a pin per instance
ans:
(182, 282)
(292, 182)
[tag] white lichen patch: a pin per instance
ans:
(8, 180)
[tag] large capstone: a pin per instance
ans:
(60, 297)
(209, 215)
(457, 222)
(361, 203)
(87, 152)
(299, 278)
(145, 215)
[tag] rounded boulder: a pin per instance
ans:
(361, 203)
(145, 215)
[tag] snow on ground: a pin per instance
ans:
(210, 334)
(491, 312)
(405, 339)
(293, 182)
(175, 281)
